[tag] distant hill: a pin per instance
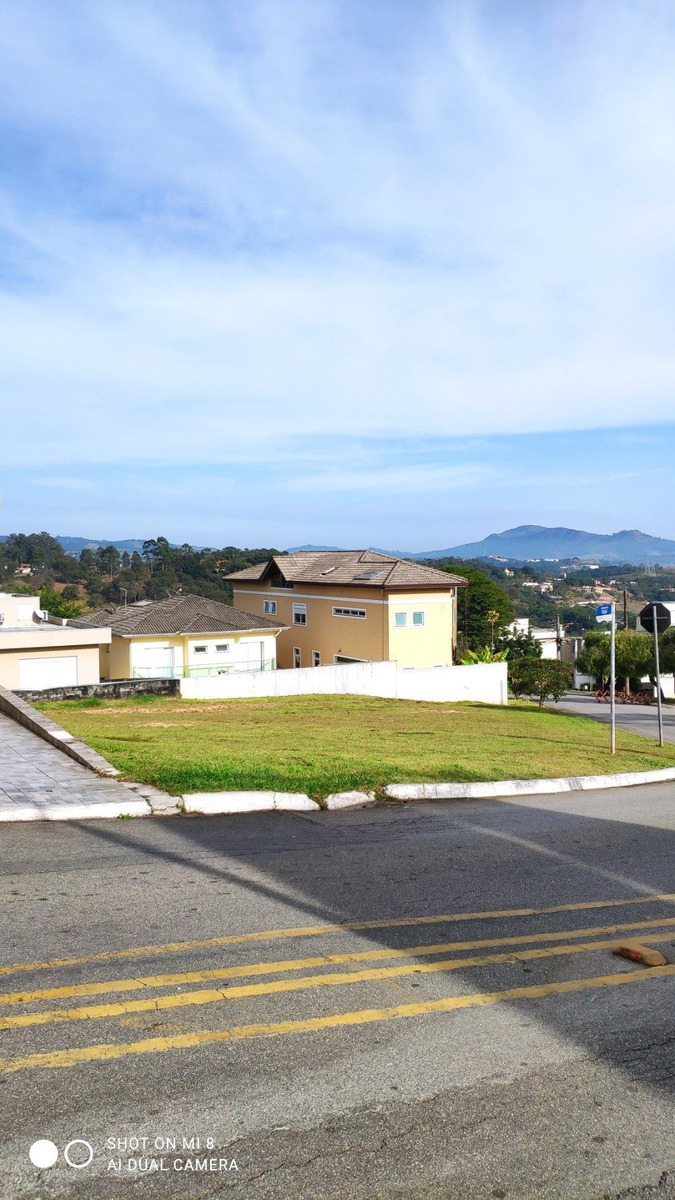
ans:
(75, 545)
(527, 542)
(323, 549)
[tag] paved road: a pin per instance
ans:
(402, 1031)
(35, 775)
(635, 718)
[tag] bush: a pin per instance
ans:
(519, 645)
(539, 677)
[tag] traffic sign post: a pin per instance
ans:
(656, 618)
(606, 613)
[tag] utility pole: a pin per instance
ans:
(625, 609)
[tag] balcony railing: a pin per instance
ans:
(202, 672)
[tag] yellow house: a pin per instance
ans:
(353, 606)
(183, 636)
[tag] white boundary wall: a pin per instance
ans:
(484, 682)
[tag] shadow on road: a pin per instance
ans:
(398, 862)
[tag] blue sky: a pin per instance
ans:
(391, 273)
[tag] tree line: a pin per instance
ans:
(70, 586)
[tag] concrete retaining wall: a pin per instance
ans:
(485, 682)
(114, 689)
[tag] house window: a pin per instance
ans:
(199, 649)
(270, 607)
(297, 658)
(316, 658)
(299, 614)
(400, 620)
(344, 658)
(418, 618)
(222, 648)
(350, 612)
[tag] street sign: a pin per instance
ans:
(604, 612)
(663, 616)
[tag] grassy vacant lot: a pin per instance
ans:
(323, 744)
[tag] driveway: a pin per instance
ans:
(37, 779)
(634, 718)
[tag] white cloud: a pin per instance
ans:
(283, 221)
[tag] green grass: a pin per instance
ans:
(323, 744)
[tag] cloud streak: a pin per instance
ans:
(231, 228)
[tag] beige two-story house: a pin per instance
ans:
(353, 606)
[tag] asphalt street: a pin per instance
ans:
(411, 1001)
(634, 718)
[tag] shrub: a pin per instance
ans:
(539, 677)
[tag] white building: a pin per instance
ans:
(38, 652)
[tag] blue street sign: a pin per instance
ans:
(604, 612)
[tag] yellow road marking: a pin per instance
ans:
(306, 983)
(320, 930)
(69, 991)
(103, 1052)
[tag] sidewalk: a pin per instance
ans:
(39, 781)
(634, 718)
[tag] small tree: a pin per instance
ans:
(541, 677)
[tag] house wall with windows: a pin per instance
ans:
(338, 628)
(421, 629)
(207, 654)
(350, 624)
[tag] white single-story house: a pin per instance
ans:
(38, 651)
(183, 636)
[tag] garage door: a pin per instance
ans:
(36, 673)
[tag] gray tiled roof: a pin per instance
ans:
(362, 568)
(175, 616)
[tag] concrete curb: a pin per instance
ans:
(208, 803)
(102, 810)
(22, 712)
(525, 787)
(349, 800)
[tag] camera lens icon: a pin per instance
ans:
(43, 1154)
(77, 1153)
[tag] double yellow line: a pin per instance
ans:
(303, 931)
(203, 996)
(106, 1052)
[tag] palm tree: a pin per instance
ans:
(492, 617)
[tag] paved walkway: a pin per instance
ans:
(634, 718)
(37, 780)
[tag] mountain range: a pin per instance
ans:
(522, 544)
(528, 542)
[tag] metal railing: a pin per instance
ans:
(203, 672)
